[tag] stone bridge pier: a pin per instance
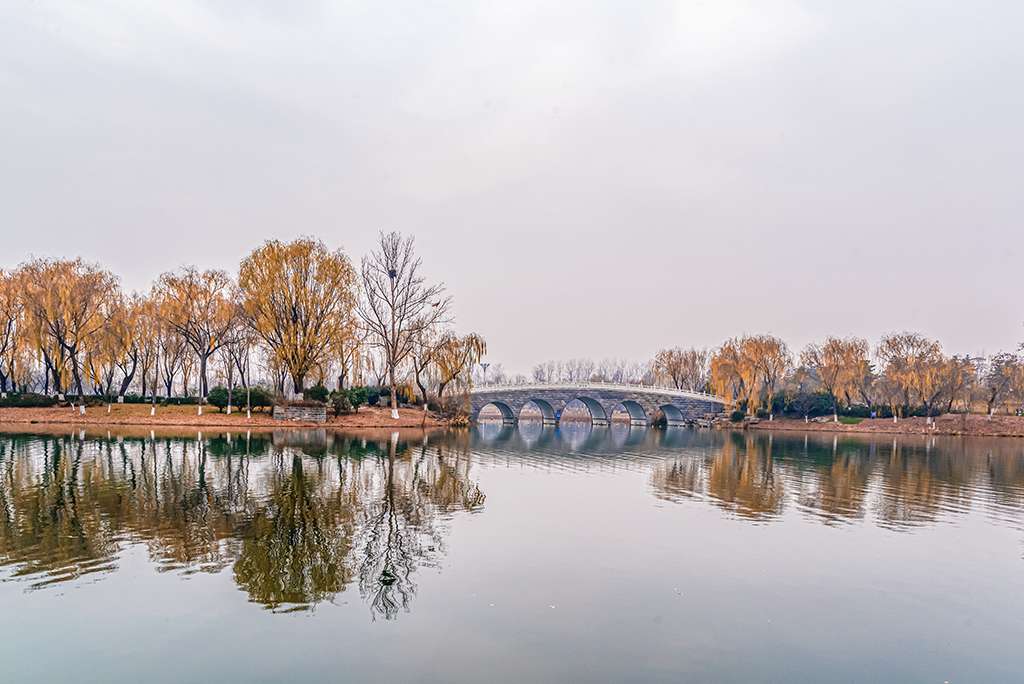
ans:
(642, 404)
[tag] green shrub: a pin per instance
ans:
(316, 393)
(737, 416)
(857, 411)
(762, 413)
(357, 396)
(340, 402)
(178, 401)
(373, 396)
(218, 397)
(260, 397)
(28, 400)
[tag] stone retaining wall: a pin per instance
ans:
(301, 414)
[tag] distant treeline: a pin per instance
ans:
(905, 374)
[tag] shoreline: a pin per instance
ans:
(947, 425)
(137, 416)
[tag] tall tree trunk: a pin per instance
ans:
(203, 387)
(76, 374)
(394, 393)
(127, 381)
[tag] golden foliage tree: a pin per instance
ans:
(299, 298)
(838, 363)
(455, 356)
(67, 300)
(727, 371)
(12, 327)
(771, 360)
(750, 369)
(197, 305)
(912, 363)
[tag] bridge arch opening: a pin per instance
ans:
(497, 409)
(534, 405)
(585, 409)
(633, 411)
(672, 416)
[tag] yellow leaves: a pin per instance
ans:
(197, 305)
(67, 297)
(913, 363)
(840, 364)
(749, 367)
(299, 298)
(454, 356)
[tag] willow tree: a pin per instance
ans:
(727, 371)
(171, 352)
(67, 299)
(198, 307)
(125, 325)
(12, 324)
(839, 365)
(455, 356)
(913, 363)
(771, 358)
(148, 331)
(298, 297)
(397, 304)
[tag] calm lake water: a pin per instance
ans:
(511, 554)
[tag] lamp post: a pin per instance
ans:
(485, 366)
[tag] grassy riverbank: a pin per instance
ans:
(953, 424)
(185, 416)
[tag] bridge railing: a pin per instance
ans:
(614, 386)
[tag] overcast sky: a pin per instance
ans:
(589, 178)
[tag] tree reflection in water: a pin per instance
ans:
(756, 476)
(300, 518)
(296, 528)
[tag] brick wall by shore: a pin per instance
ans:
(301, 414)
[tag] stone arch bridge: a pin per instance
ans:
(641, 402)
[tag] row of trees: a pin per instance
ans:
(904, 373)
(296, 313)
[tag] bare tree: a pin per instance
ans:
(685, 369)
(397, 303)
(999, 377)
